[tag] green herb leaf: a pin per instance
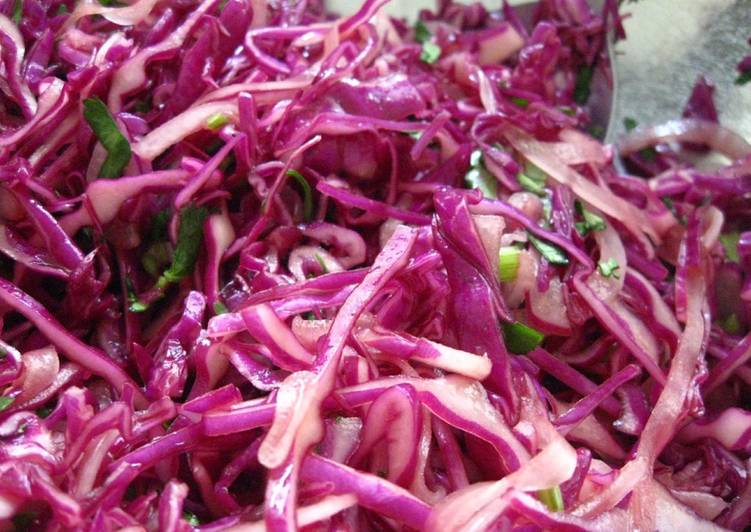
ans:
(217, 120)
(730, 241)
(629, 123)
(591, 221)
(533, 179)
(309, 316)
(520, 102)
(189, 239)
(552, 253)
(583, 81)
(103, 124)
(552, 498)
(731, 324)
(220, 308)
(307, 198)
(422, 33)
(520, 339)
(5, 402)
(431, 52)
(609, 268)
(508, 263)
(743, 78)
(61, 9)
(191, 519)
(478, 177)
(17, 11)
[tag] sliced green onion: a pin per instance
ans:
(530, 185)
(307, 198)
(731, 324)
(322, 264)
(591, 222)
(5, 402)
(220, 308)
(217, 120)
(533, 179)
(189, 238)
(552, 498)
(508, 263)
(109, 135)
(552, 253)
(191, 519)
(17, 11)
(422, 33)
(430, 52)
(521, 339)
(478, 176)
(609, 268)
(729, 242)
(520, 102)
(583, 81)
(137, 306)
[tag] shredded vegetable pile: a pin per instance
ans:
(266, 268)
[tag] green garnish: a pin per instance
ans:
(134, 304)
(731, 324)
(322, 264)
(217, 120)
(583, 81)
(220, 308)
(609, 268)
(17, 11)
(478, 176)
(533, 179)
(743, 78)
(552, 253)
(520, 102)
(521, 339)
(44, 411)
(591, 221)
(552, 498)
(137, 306)
(431, 52)
(189, 239)
(422, 33)
(307, 198)
(109, 135)
(5, 402)
(191, 519)
(729, 242)
(508, 263)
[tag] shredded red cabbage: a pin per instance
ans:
(266, 268)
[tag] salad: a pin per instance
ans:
(267, 268)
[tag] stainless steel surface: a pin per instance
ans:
(669, 43)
